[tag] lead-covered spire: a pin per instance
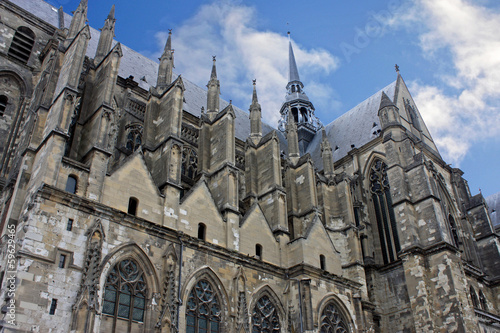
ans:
(298, 106)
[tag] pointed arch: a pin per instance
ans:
(377, 184)
(265, 296)
(207, 279)
(129, 251)
(332, 313)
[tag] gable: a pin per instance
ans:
(132, 179)
(198, 206)
(309, 248)
(255, 230)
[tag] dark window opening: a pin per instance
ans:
(482, 301)
(202, 231)
(384, 213)
(473, 296)
(295, 114)
(71, 184)
(322, 262)
(69, 226)
(53, 307)
(133, 203)
(62, 260)
(22, 44)
(258, 251)
(134, 138)
(454, 231)
(3, 104)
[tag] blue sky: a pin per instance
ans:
(448, 52)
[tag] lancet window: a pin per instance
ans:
(134, 138)
(386, 221)
(189, 162)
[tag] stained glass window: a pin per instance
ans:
(265, 318)
(386, 221)
(332, 320)
(203, 312)
(125, 292)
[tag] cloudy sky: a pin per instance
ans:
(448, 52)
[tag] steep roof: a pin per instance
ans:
(493, 202)
(145, 70)
(356, 127)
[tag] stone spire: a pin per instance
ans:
(166, 64)
(293, 141)
(79, 19)
(327, 155)
(106, 37)
(213, 86)
(255, 117)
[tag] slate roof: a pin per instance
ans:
(493, 202)
(357, 127)
(139, 66)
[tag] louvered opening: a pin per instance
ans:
(22, 44)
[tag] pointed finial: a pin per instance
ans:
(214, 70)
(289, 38)
(397, 68)
(111, 14)
(254, 95)
(168, 44)
(323, 133)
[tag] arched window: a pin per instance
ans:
(258, 251)
(203, 312)
(189, 162)
(71, 184)
(202, 229)
(322, 262)
(133, 203)
(22, 44)
(473, 296)
(265, 318)
(454, 231)
(332, 321)
(482, 301)
(125, 295)
(3, 104)
(386, 221)
(134, 138)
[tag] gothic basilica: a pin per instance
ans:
(132, 200)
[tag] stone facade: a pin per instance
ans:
(132, 200)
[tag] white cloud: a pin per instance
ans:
(226, 29)
(465, 109)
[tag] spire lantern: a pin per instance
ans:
(298, 106)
